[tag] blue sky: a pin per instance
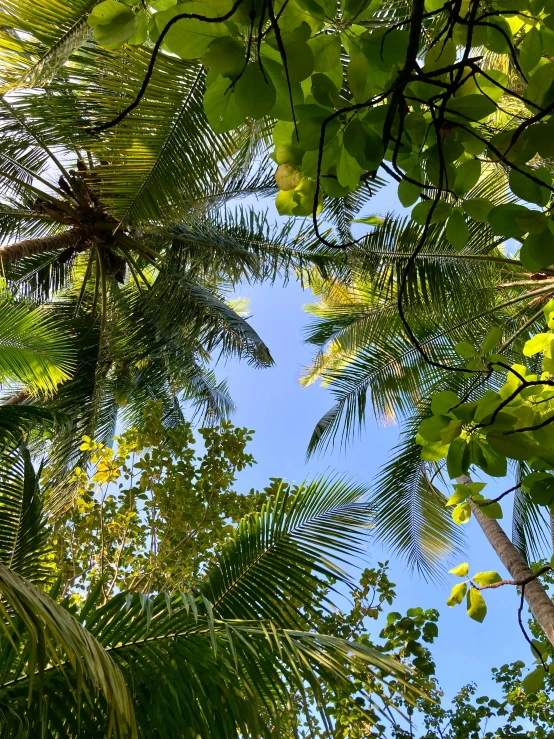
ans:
(283, 415)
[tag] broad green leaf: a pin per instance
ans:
(416, 126)
(526, 188)
(548, 310)
(491, 510)
(348, 170)
(462, 493)
(539, 88)
(326, 51)
(451, 432)
(538, 251)
(534, 681)
(465, 349)
(141, 34)
(504, 220)
(359, 9)
(455, 458)
(542, 491)
(287, 155)
(300, 62)
(467, 176)
(442, 402)
(433, 451)
(470, 108)
(533, 221)
(530, 50)
(492, 339)
(440, 55)
(225, 55)
(285, 203)
(430, 429)
(486, 578)
(514, 446)
(461, 513)
(488, 88)
(478, 208)
(408, 193)
(538, 343)
(107, 11)
(355, 137)
(460, 570)
(476, 487)
(114, 23)
(395, 45)
(542, 137)
(496, 40)
(476, 606)
(358, 76)
(325, 91)
(373, 152)
(531, 478)
(189, 38)
(457, 230)
(221, 106)
(282, 108)
(255, 94)
(441, 211)
(491, 462)
(457, 594)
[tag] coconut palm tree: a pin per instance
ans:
(222, 660)
(364, 353)
(121, 236)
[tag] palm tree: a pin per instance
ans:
(364, 352)
(121, 236)
(212, 663)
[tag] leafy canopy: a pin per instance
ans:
(435, 94)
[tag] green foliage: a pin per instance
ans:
(240, 616)
(149, 510)
(510, 423)
(361, 94)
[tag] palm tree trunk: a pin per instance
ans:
(17, 398)
(537, 599)
(20, 249)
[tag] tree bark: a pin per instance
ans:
(20, 249)
(537, 599)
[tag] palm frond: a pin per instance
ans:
(42, 637)
(301, 537)
(530, 528)
(243, 245)
(409, 512)
(35, 351)
(47, 34)
(158, 163)
(174, 298)
(23, 532)
(211, 668)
